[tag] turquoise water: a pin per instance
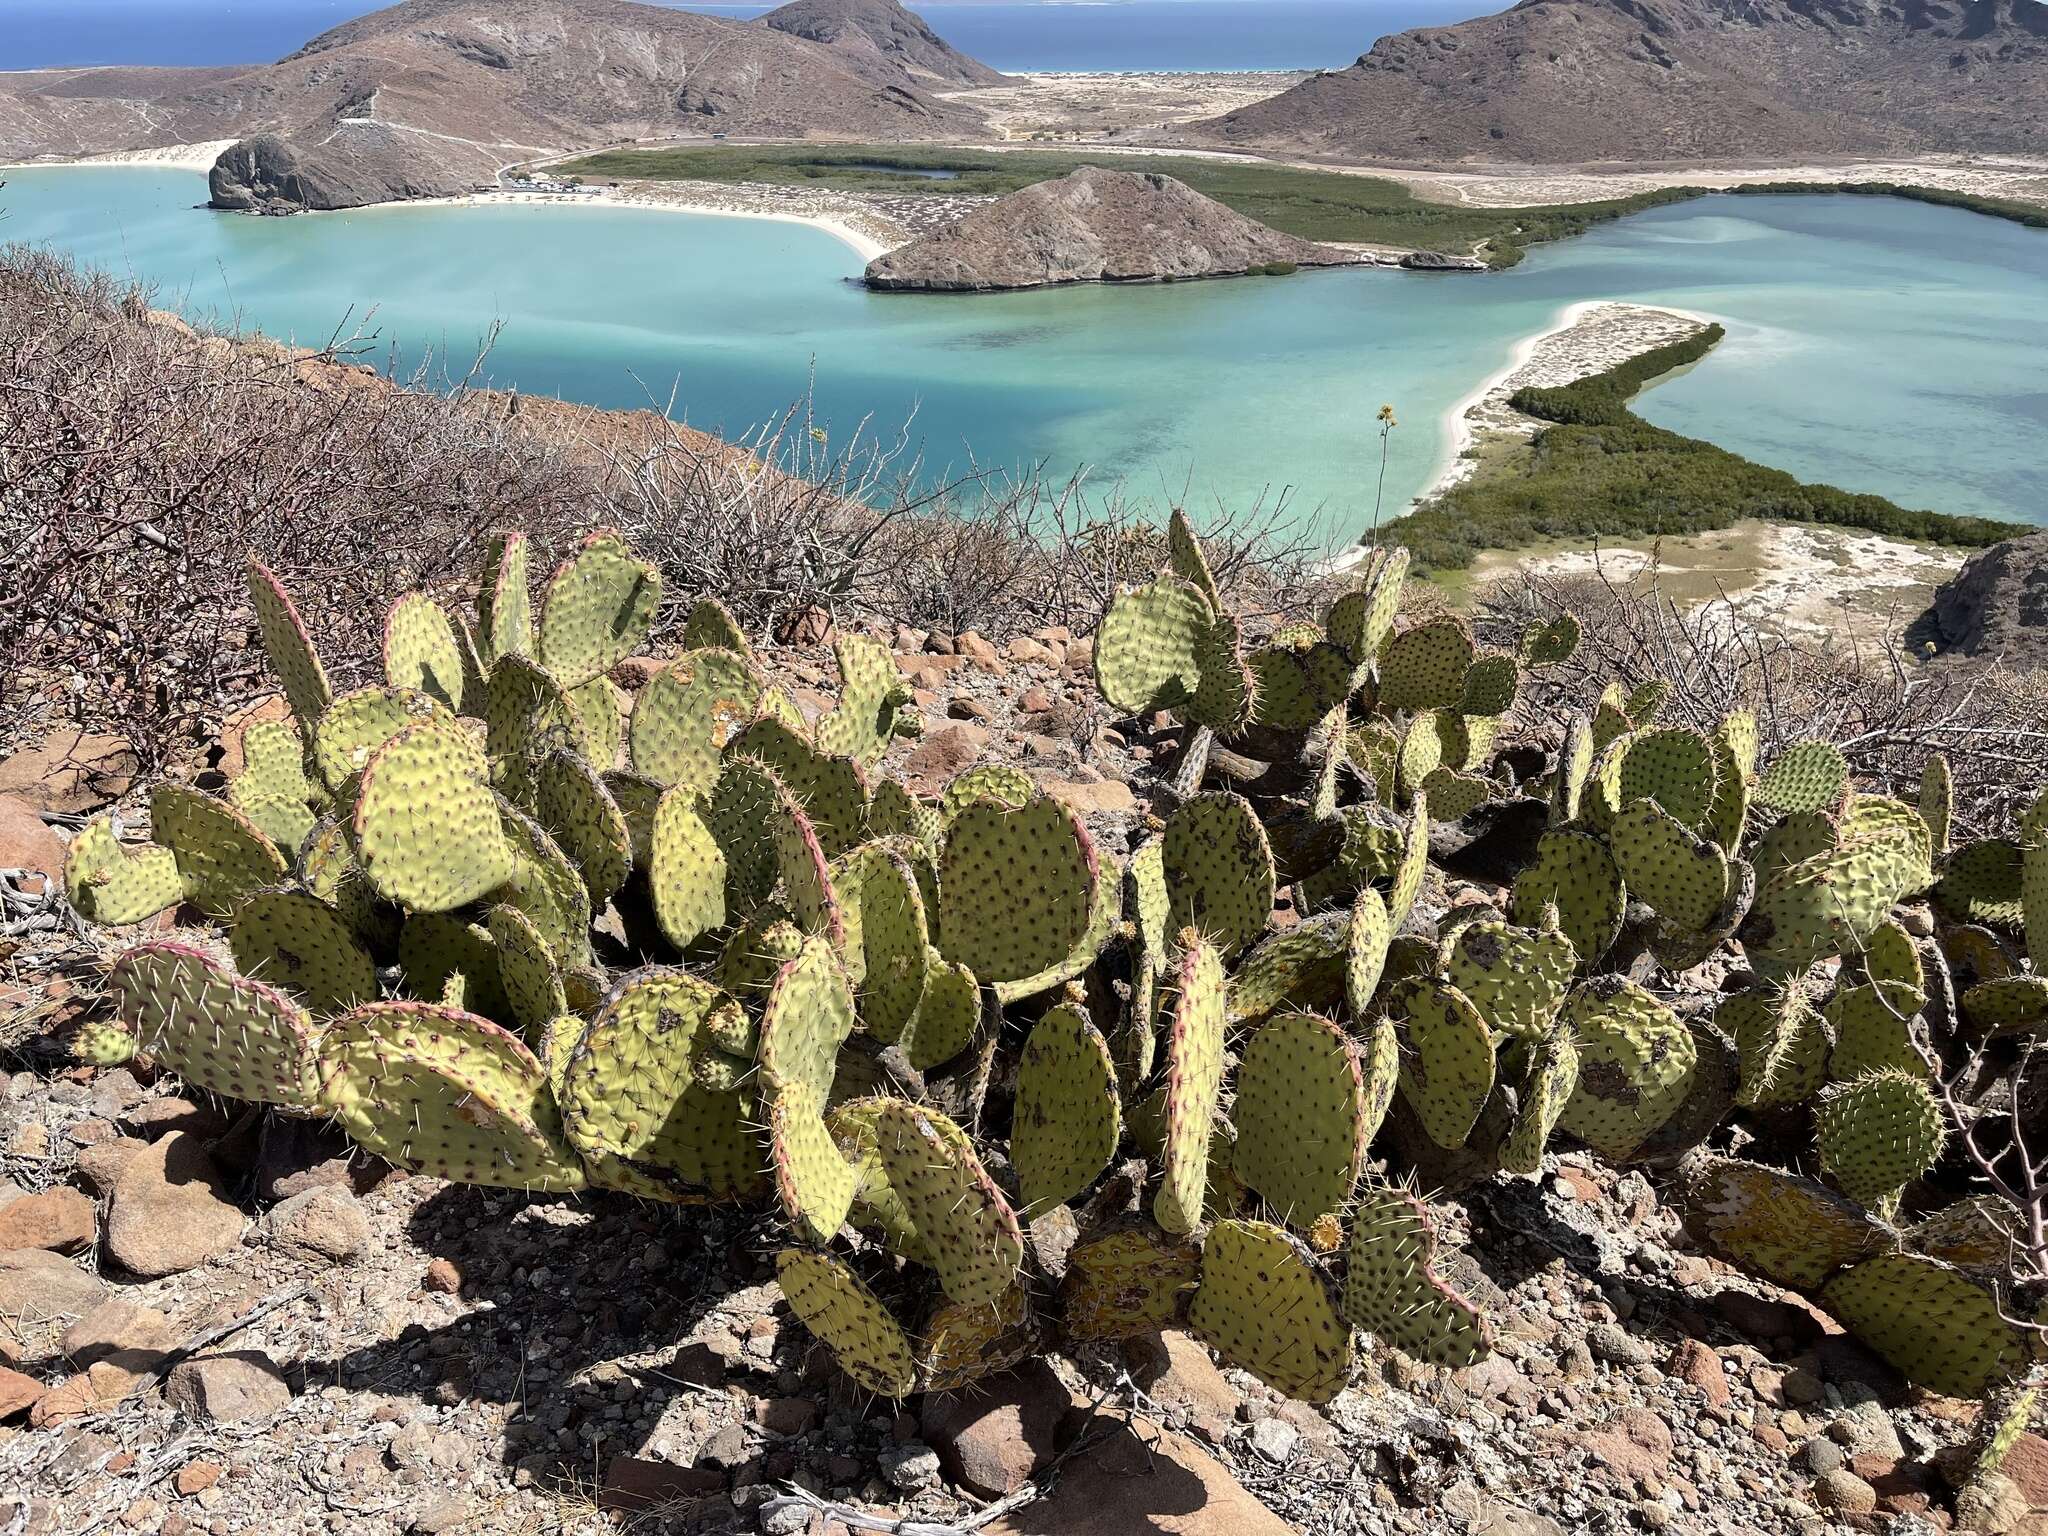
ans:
(1884, 346)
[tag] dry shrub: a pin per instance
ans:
(1886, 711)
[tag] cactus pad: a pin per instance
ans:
(808, 1016)
(597, 609)
(1227, 697)
(1781, 1046)
(447, 1093)
(1980, 883)
(2008, 1005)
(1673, 767)
(687, 714)
(1392, 1290)
(1194, 1082)
(1942, 1330)
(711, 624)
(1425, 667)
(108, 883)
(220, 1032)
(687, 870)
(967, 1228)
(1300, 1118)
(421, 652)
(1575, 874)
(1447, 1060)
(1125, 1283)
(289, 647)
(1873, 1030)
(963, 1345)
(1263, 1307)
(1218, 870)
(527, 973)
(1147, 652)
(829, 1299)
(832, 790)
(222, 858)
(427, 825)
(872, 693)
(1016, 888)
(350, 733)
(504, 609)
(1877, 1133)
(1810, 776)
(570, 800)
(1516, 977)
(1067, 1120)
(885, 929)
(1788, 1230)
(1831, 903)
(1552, 1078)
(1683, 877)
(1636, 1065)
(1491, 685)
(1294, 688)
(948, 1012)
(300, 944)
(1366, 935)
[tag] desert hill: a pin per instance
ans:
(884, 41)
(431, 96)
(1568, 81)
(1094, 225)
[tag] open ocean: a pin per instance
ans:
(1138, 35)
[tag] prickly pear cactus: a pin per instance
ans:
(966, 1226)
(1877, 1133)
(1392, 1290)
(1263, 1306)
(220, 1032)
(1067, 1116)
(1300, 1118)
(1447, 1058)
(1942, 1330)
(1218, 871)
(1635, 1066)
(831, 1301)
(1194, 1082)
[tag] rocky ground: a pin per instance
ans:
(214, 1324)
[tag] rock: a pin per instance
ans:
(1634, 1445)
(992, 1440)
(1093, 225)
(910, 1467)
(968, 707)
(1177, 1372)
(786, 1415)
(726, 1449)
(979, 651)
(294, 1156)
(18, 1393)
(441, 1512)
(1991, 1504)
(1437, 261)
(102, 1164)
(1823, 1455)
(1844, 1492)
(1759, 1317)
(159, 1117)
(1802, 1388)
(322, 1223)
(633, 1484)
(26, 844)
(2026, 1467)
(124, 1333)
(59, 1219)
(1141, 1478)
(98, 1387)
(197, 1477)
(1108, 797)
(170, 1210)
(1616, 1345)
(943, 753)
(1696, 1363)
(1025, 651)
(1996, 605)
(1034, 701)
(1275, 1440)
(270, 174)
(442, 1278)
(73, 771)
(41, 1295)
(226, 1389)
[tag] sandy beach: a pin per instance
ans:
(181, 157)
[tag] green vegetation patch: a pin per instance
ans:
(1601, 469)
(1316, 205)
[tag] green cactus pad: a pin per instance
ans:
(894, 811)
(427, 828)
(302, 945)
(570, 800)
(1218, 870)
(1262, 1306)
(1294, 688)
(1830, 904)
(272, 789)
(872, 693)
(963, 1345)
(1877, 1133)
(328, 870)
(504, 608)
(1148, 650)
(866, 1342)
(633, 1106)
(444, 1092)
(1419, 755)
(687, 714)
(1300, 1118)
(1683, 877)
(1673, 767)
(1360, 621)
(1185, 559)
(1453, 795)
(966, 1225)
(1392, 1290)
(686, 871)
(545, 886)
(1367, 933)
(1574, 763)
(947, 1014)
(351, 731)
(109, 883)
(877, 1208)
(1516, 977)
(710, 624)
(1790, 1231)
(220, 1032)
(1872, 1026)
(1227, 697)
(527, 972)
(1781, 1046)
(1067, 1119)
(808, 1016)
(96, 1043)
(1552, 1078)
(526, 712)
(1425, 667)
(289, 647)
(1574, 873)
(1937, 799)
(1550, 642)
(1194, 1082)
(1973, 1234)
(1005, 785)
(597, 609)
(1125, 1283)
(1491, 685)
(1413, 867)
(435, 948)
(1940, 1329)
(221, 856)
(421, 652)
(1017, 888)
(1446, 1056)
(1810, 776)
(1636, 1065)
(832, 790)
(2010, 1005)
(1727, 818)
(889, 938)
(599, 707)
(1981, 882)
(1890, 954)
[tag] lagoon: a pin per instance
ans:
(1881, 345)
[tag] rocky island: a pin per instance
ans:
(1095, 226)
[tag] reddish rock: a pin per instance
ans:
(98, 1387)
(102, 1164)
(225, 1389)
(60, 1220)
(25, 843)
(806, 626)
(1177, 1372)
(1110, 797)
(197, 1477)
(1580, 1183)
(1634, 1445)
(992, 1440)
(786, 1415)
(1023, 649)
(18, 1393)
(979, 652)
(1141, 1478)
(1080, 655)
(159, 1117)
(1034, 701)
(170, 1210)
(73, 771)
(949, 750)
(2026, 1464)
(123, 1333)
(1694, 1362)
(442, 1277)
(633, 1485)
(967, 707)
(41, 1294)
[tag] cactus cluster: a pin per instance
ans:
(505, 934)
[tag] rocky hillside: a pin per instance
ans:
(1094, 225)
(1568, 81)
(432, 96)
(883, 40)
(1996, 606)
